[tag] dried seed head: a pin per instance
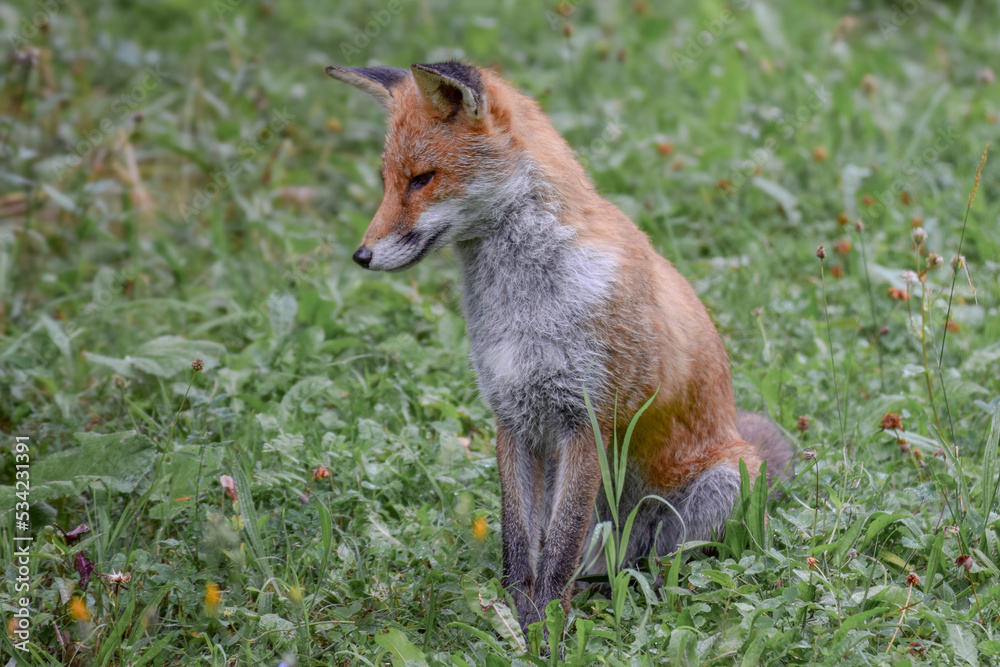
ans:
(197, 365)
(757, 312)
(939, 454)
(320, 472)
(118, 578)
(965, 560)
(228, 486)
(802, 423)
(809, 455)
(844, 26)
(859, 226)
(979, 173)
(934, 260)
(842, 218)
(912, 579)
(852, 553)
(812, 563)
(951, 530)
(919, 235)
(892, 421)
(869, 84)
(821, 252)
(957, 262)
(909, 277)
(904, 446)
(120, 382)
(884, 331)
(898, 294)
(29, 55)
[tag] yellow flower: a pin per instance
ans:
(78, 608)
(213, 596)
(479, 528)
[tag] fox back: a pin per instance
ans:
(563, 295)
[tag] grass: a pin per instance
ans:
(179, 180)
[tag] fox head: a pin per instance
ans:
(448, 162)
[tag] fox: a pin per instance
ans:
(563, 296)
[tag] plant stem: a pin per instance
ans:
(871, 307)
(833, 365)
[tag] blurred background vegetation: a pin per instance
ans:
(179, 180)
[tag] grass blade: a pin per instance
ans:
(991, 479)
(602, 456)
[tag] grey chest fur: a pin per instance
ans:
(530, 297)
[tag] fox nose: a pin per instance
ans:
(363, 256)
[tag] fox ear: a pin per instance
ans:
(376, 81)
(451, 87)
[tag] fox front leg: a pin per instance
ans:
(576, 483)
(522, 487)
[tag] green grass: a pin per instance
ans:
(122, 259)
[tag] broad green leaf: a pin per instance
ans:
(163, 357)
(879, 521)
(404, 652)
(487, 602)
(962, 643)
(555, 619)
(989, 647)
(683, 647)
(119, 461)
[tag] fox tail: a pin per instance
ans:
(772, 445)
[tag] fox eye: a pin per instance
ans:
(420, 180)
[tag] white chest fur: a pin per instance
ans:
(531, 294)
